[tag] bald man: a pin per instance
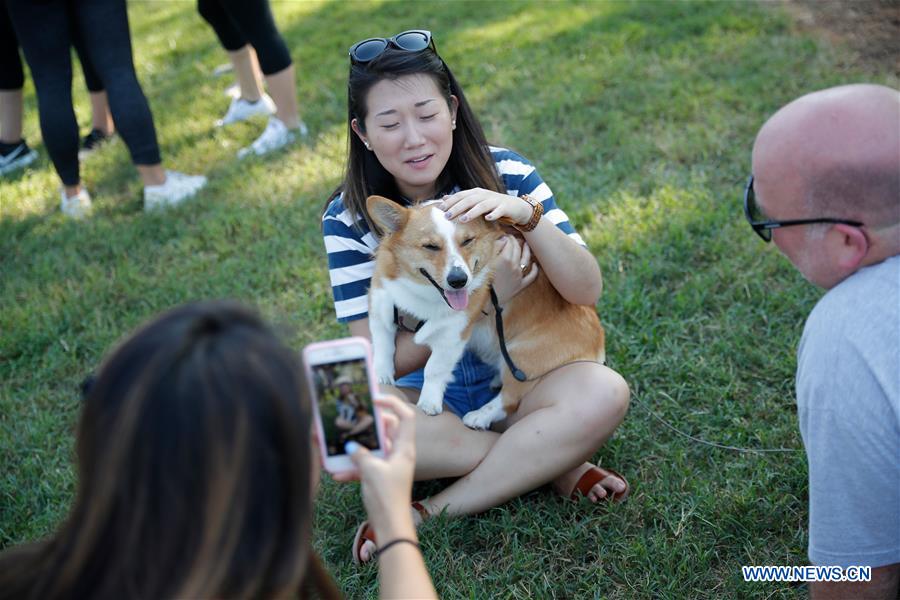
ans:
(826, 189)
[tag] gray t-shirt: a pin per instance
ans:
(848, 401)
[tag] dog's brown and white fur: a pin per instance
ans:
(543, 331)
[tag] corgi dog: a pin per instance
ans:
(440, 272)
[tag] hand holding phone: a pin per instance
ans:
(342, 387)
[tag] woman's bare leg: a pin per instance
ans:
(152, 174)
(10, 116)
(283, 89)
(72, 190)
(247, 73)
(444, 446)
(101, 118)
(557, 427)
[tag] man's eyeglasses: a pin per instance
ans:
(414, 40)
(764, 227)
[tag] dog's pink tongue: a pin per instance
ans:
(458, 300)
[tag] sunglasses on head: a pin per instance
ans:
(414, 40)
(763, 227)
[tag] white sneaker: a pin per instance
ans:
(275, 136)
(241, 110)
(177, 188)
(15, 156)
(78, 206)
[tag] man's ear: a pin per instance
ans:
(387, 214)
(854, 245)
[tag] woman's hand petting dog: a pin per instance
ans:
(473, 203)
(513, 268)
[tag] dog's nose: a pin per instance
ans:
(457, 278)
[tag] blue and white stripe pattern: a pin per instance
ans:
(351, 261)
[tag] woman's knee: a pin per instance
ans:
(271, 51)
(617, 392)
(444, 445)
(607, 402)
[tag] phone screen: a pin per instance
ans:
(345, 404)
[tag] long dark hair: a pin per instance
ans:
(470, 164)
(194, 471)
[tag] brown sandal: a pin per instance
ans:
(365, 533)
(592, 477)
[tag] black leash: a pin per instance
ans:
(498, 319)
(516, 371)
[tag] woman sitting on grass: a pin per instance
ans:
(413, 137)
(196, 475)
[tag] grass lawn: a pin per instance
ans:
(639, 115)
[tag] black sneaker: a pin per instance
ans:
(92, 142)
(15, 156)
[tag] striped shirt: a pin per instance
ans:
(351, 260)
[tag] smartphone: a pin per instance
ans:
(342, 386)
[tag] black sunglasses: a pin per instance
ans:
(414, 40)
(764, 227)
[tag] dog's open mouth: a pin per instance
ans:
(457, 299)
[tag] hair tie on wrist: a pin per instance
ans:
(381, 550)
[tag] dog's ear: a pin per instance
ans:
(387, 214)
(489, 229)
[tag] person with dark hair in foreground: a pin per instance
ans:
(197, 471)
(826, 189)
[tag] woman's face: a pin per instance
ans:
(409, 127)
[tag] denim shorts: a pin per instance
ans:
(470, 388)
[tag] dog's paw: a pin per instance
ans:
(430, 405)
(385, 376)
(384, 372)
(477, 419)
(484, 416)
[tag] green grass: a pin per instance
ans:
(640, 116)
